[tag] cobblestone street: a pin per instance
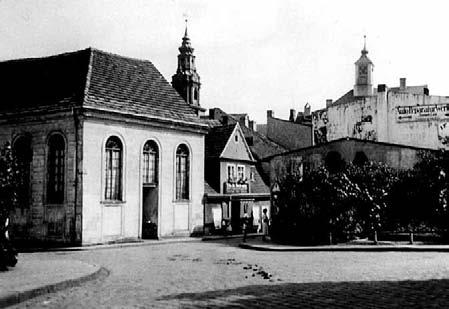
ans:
(219, 274)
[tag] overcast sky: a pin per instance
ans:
(251, 55)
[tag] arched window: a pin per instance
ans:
(114, 169)
(182, 172)
(24, 156)
(195, 94)
(150, 162)
(55, 169)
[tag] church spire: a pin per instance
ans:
(186, 81)
(363, 74)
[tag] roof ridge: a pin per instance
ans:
(118, 55)
(48, 57)
(88, 75)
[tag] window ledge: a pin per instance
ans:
(112, 203)
(182, 201)
(54, 204)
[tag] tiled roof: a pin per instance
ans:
(95, 79)
(346, 98)
(217, 139)
(54, 82)
(259, 186)
(261, 146)
(208, 188)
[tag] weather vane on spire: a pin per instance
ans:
(364, 42)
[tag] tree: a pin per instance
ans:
(9, 184)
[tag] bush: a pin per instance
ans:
(349, 202)
(9, 182)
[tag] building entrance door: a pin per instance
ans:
(235, 217)
(149, 212)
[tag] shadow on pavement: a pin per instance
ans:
(372, 294)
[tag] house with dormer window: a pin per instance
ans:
(233, 186)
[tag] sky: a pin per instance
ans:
(252, 56)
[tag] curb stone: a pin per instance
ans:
(346, 248)
(112, 246)
(13, 298)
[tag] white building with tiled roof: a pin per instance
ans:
(108, 149)
(404, 115)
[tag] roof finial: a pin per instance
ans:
(186, 19)
(364, 51)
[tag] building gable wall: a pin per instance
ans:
(103, 221)
(236, 149)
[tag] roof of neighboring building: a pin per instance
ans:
(409, 89)
(259, 185)
(217, 139)
(238, 116)
(208, 188)
(94, 79)
(345, 139)
(261, 146)
(346, 98)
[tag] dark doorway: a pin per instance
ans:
(150, 190)
(235, 217)
(360, 158)
(149, 212)
(334, 162)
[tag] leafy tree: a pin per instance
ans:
(9, 183)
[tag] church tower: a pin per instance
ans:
(186, 80)
(363, 74)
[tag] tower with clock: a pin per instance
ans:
(363, 75)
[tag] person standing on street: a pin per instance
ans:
(245, 225)
(265, 222)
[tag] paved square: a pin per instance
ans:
(219, 274)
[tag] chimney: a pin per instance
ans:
(225, 120)
(402, 83)
(307, 110)
(381, 88)
(270, 114)
(252, 125)
(292, 115)
(328, 102)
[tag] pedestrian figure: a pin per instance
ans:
(265, 222)
(245, 225)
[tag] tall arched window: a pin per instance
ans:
(150, 162)
(195, 94)
(114, 169)
(182, 172)
(55, 169)
(24, 156)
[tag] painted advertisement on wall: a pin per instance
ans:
(422, 112)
